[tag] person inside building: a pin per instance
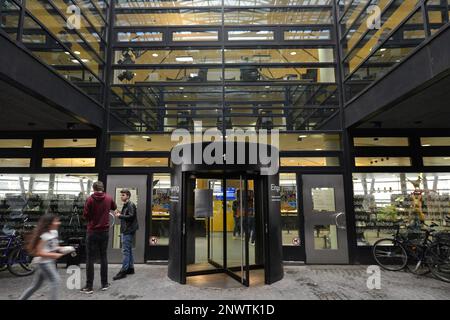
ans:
(128, 227)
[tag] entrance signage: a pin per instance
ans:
(263, 147)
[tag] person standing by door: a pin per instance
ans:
(128, 227)
(96, 212)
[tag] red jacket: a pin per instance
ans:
(96, 211)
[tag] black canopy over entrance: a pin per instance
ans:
(225, 217)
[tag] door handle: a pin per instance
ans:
(343, 227)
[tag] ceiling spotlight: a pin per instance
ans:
(293, 53)
(185, 59)
(181, 88)
(77, 52)
(154, 55)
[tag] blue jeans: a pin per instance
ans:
(45, 271)
(127, 251)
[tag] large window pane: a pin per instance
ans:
(132, 56)
(382, 161)
(31, 196)
(308, 34)
(14, 162)
(383, 199)
(15, 143)
(288, 16)
(380, 142)
(68, 162)
(157, 142)
(435, 141)
(70, 143)
(289, 209)
(160, 219)
(139, 162)
(9, 17)
(309, 161)
(291, 55)
(169, 18)
(310, 142)
(195, 36)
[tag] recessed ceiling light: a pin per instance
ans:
(293, 53)
(264, 96)
(67, 52)
(145, 137)
(181, 88)
(318, 149)
(303, 136)
(154, 55)
(267, 87)
(87, 60)
(77, 52)
(184, 59)
(426, 145)
(185, 96)
(383, 49)
(75, 61)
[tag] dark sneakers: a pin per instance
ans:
(130, 271)
(122, 274)
(105, 287)
(87, 290)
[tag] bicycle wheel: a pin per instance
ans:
(390, 254)
(416, 260)
(19, 263)
(438, 259)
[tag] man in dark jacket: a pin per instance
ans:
(128, 227)
(96, 212)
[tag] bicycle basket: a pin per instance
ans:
(443, 237)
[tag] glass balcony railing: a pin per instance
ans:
(371, 54)
(75, 51)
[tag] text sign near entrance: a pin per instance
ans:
(323, 199)
(275, 194)
(296, 241)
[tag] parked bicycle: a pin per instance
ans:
(416, 252)
(13, 255)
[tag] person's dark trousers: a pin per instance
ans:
(237, 226)
(127, 251)
(96, 243)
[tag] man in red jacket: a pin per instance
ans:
(96, 212)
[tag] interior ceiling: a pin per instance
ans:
(22, 112)
(428, 108)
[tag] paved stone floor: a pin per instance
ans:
(300, 282)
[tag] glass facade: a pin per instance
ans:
(386, 201)
(67, 35)
(373, 46)
(29, 196)
(265, 64)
